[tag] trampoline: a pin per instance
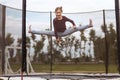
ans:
(65, 76)
(26, 64)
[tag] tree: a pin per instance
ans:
(28, 42)
(9, 40)
(99, 49)
(38, 47)
(83, 39)
(19, 51)
(57, 55)
(19, 42)
(112, 44)
(11, 53)
(91, 39)
(76, 49)
(33, 37)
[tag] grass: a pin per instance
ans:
(81, 68)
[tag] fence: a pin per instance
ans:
(93, 50)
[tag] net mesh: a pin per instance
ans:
(83, 51)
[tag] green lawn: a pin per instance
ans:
(83, 68)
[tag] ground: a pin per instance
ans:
(68, 72)
(68, 68)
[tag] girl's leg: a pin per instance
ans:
(82, 27)
(86, 26)
(65, 33)
(79, 28)
(49, 33)
(72, 30)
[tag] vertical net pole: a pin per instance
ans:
(51, 62)
(106, 45)
(24, 68)
(3, 38)
(117, 12)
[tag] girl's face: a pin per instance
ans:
(58, 14)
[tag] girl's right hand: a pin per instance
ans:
(58, 40)
(74, 27)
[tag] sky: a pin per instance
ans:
(68, 5)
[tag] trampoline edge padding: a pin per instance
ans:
(66, 75)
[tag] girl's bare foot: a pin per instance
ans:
(90, 23)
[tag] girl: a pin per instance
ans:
(60, 27)
(59, 22)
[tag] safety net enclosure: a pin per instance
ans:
(90, 51)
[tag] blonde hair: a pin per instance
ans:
(58, 8)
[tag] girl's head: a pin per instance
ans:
(58, 12)
(58, 8)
